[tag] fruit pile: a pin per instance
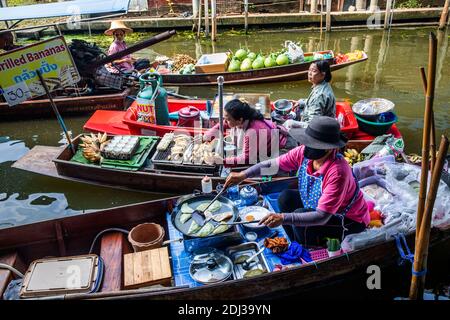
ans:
(92, 146)
(245, 60)
(352, 156)
(180, 60)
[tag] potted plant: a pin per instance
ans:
(333, 247)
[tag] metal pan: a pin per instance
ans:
(194, 201)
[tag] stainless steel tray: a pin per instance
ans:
(249, 249)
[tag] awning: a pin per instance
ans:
(62, 9)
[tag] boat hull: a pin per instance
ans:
(66, 106)
(292, 72)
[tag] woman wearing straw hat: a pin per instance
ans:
(327, 201)
(127, 63)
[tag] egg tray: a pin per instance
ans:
(119, 154)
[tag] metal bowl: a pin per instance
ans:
(283, 106)
(370, 109)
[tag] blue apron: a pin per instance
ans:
(310, 188)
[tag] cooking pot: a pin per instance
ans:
(187, 116)
(193, 201)
(283, 106)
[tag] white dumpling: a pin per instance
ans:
(205, 230)
(185, 217)
(185, 208)
(193, 228)
(220, 228)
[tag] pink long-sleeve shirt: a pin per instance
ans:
(338, 184)
(115, 47)
(257, 136)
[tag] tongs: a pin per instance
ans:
(199, 216)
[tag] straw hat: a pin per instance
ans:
(117, 25)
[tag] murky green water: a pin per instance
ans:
(391, 72)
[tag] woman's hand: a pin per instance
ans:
(272, 220)
(235, 178)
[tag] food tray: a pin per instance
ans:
(160, 161)
(248, 248)
(124, 148)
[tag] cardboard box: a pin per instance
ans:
(212, 63)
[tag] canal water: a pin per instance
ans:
(391, 72)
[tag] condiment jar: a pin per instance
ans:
(206, 185)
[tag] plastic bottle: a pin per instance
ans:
(206, 185)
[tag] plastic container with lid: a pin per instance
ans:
(187, 116)
(210, 265)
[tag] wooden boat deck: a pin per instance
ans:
(40, 160)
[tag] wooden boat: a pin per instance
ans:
(20, 245)
(125, 122)
(291, 72)
(55, 162)
(109, 100)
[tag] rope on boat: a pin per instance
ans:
(12, 269)
(400, 241)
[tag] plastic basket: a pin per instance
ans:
(319, 254)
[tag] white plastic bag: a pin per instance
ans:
(294, 53)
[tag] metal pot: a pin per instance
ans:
(193, 201)
(283, 106)
(210, 266)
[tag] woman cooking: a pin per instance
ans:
(127, 63)
(250, 131)
(328, 201)
(321, 100)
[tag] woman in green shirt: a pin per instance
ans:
(321, 100)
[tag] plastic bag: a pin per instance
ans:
(294, 52)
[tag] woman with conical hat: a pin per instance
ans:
(127, 63)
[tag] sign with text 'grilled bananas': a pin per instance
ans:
(19, 80)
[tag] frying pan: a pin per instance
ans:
(194, 201)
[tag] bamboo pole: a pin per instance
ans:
(213, 20)
(195, 4)
(199, 27)
(206, 18)
(301, 7)
(421, 248)
(373, 5)
(444, 16)
(313, 8)
(426, 130)
(328, 19)
(387, 16)
(246, 16)
(432, 126)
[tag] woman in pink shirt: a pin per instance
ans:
(127, 63)
(328, 202)
(252, 134)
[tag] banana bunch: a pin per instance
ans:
(352, 156)
(414, 158)
(93, 145)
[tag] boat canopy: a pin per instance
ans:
(66, 8)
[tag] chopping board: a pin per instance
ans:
(147, 268)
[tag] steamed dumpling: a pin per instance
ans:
(215, 206)
(220, 228)
(205, 230)
(193, 228)
(186, 209)
(185, 217)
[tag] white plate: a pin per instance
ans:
(257, 212)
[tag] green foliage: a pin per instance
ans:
(409, 4)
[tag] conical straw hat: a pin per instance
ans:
(117, 25)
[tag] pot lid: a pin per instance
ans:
(210, 265)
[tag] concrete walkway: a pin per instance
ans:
(359, 18)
